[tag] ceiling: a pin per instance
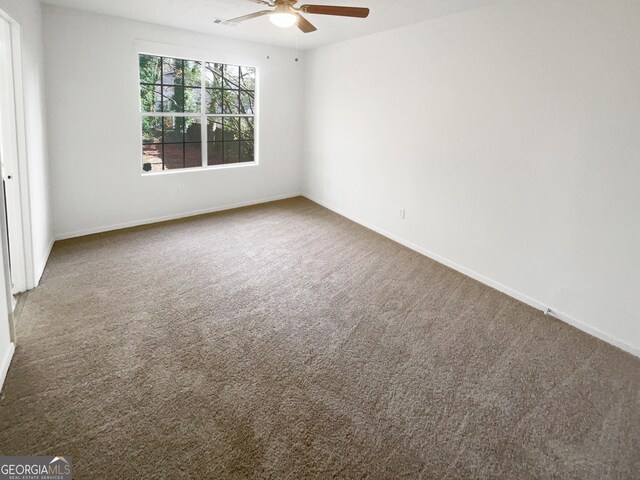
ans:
(198, 15)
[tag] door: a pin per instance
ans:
(9, 161)
(8, 146)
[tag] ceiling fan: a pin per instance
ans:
(286, 14)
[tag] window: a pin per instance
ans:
(180, 129)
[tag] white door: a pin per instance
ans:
(7, 335)
(9, 161)
(8, 147)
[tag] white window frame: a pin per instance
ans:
(166, 51)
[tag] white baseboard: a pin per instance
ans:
(6, 361)
(487, 281)
(175, 216)
(595, 332)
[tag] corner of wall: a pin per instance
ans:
(40, 262)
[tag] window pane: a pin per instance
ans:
(214, 129)
(213, 75)
(246, 103)
(214, 101)
(193, 129)
(246, 151)
(231, 76)
(150, 98)
(231, 129)
(193, 155)
(172, 71)
(246, 128)
(149, 69)
(173, 129)
(173, 155)
(248, 78)
(192, 98)
(151, 158)
(172, 99)
(214, 153)
(151, 130)
(230, 101)
(231, 152)
(192, 73)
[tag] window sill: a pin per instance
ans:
(200, 169)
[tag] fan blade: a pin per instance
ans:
(334, 10)
(305, 25)
(248, 17)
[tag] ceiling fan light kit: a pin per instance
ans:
(283, 19)
(285, 14)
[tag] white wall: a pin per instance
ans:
(94, 126)
(511, 135)
(29, 14)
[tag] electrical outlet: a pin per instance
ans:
(401, 213)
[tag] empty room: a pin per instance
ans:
(346, 239)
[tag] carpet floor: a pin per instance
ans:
(285, 341)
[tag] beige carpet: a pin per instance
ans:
(284, 341)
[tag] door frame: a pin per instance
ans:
(22, 261)
(4, 255)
